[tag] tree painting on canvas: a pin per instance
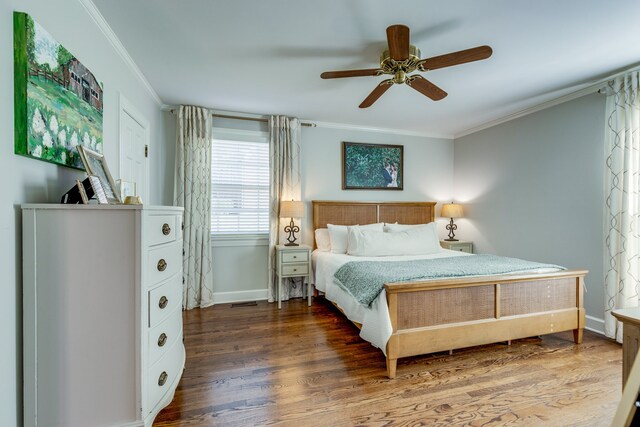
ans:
(372, 166)
(58, 100)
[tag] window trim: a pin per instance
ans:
(225, 240)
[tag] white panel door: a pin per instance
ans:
(133, 163)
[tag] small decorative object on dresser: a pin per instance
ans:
(291, 209)
(457, 245)
(293, 262)
(96, 165)
(126, 188)
(451, 210)
(102, 316)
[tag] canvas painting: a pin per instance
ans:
(372, 166)
(58, 100)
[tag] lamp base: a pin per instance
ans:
(451, 240)
(292, 229)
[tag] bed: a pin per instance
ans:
(428, 316)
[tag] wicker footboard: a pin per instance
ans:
(439, 315)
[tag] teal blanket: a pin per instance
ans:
(365, 279)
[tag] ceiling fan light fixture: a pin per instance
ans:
(403, 58)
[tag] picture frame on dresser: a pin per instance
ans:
(96, 164)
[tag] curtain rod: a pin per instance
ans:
(253, 119)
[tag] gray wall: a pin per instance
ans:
(29, 180)
(428, 168)
(428, 175)
(533, 188)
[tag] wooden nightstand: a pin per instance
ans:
(293, 261)
(457, 246)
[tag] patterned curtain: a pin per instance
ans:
(284, 167)
(193, 192)
(622, 199)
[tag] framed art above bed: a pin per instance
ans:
(372, 166)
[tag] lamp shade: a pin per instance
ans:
(291, 209)
(451, 210)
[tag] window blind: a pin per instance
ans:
(239, 187)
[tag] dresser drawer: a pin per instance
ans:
(164, 300)
(162, 229)
(295, 256)
(164, 373)
(162, 336)
(163, 262)
(295, 269)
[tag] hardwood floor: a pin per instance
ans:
(307, 366)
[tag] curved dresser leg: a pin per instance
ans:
(577, 335)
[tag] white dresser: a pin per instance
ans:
(102, 308)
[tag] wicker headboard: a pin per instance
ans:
(352, 213)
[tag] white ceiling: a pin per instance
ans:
(265, 57)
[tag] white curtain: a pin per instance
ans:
(284, 168)
(622, 191)
(193, 192)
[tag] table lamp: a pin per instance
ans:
(451, 210)
(291, 209)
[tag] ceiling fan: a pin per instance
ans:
(403, 58)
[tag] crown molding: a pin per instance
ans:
(345, 126)
(539, 107)
(97, 17)
(329, 125)
(577, 92)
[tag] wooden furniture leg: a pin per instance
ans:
(577, 335)
(391, 367)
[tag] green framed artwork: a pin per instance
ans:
(58, 100)
(372, 166)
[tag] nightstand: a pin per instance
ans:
(293, 261)
(457, 246)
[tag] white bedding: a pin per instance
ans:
(376, 324)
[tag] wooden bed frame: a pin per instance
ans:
(437, 315)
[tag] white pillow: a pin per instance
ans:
(323, 241)
(413, 241)
(393, 228)
(338, 235)
(387, 224)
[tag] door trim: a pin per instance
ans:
(126, 107)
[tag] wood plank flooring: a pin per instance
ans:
(307, 366)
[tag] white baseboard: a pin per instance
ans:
(595, 325)
(240, 296)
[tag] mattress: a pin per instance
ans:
(375, 321)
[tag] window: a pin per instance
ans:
(239, 184)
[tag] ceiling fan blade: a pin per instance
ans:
(426, 88)
(398, 40)
(376, 93)
(351, 73)
(455, 58)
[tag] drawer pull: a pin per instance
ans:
(163, 378)
(162, 265)
(295, 269)
(166, 229)
(295, 256)
(163, 302)
(162, 340)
